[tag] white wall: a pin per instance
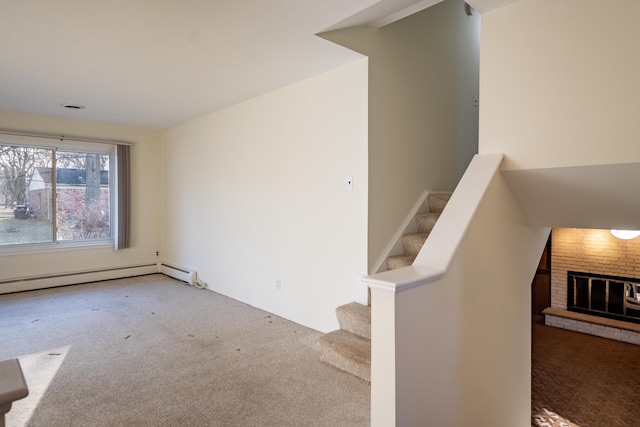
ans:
(473, 331)
(146, 197)
(423, 75)
(257, 193)
(559, 90)
(559, 83)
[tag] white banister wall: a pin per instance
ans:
(451, 334)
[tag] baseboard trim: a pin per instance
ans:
(74, 278)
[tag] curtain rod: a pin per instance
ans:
(63, 138)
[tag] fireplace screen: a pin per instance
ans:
(607, 296)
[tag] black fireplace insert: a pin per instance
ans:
(606, 296)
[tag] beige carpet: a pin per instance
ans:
(151, 351)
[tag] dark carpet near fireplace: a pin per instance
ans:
(579, 380)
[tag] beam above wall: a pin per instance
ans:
(595, 196)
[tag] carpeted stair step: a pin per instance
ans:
(355, 318)
(349, 348)
(346, 351)
(437, 201)
(426, 221)
(399, 261)
(412, 243)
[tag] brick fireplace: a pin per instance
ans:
(594, 252)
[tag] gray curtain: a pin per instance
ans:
(123, 222)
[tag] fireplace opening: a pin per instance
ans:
(605, 296)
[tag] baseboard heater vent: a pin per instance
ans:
(51, 281)
(178, 273)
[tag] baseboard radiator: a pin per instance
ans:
(64, 279)
(178, 273)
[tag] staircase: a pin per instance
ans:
(349, 348)
(412, 242)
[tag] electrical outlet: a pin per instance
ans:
(278, 285)
(157, 253)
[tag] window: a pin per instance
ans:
(58, 196)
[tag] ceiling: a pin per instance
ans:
(158, 63)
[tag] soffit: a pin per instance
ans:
(596, 196)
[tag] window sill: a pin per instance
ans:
(35, 248)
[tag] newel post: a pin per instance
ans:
(383, 357)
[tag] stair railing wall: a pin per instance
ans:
(394, 247)
(446, 348)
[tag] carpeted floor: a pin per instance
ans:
(151, 351)
(579, 380)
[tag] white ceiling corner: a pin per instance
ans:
(484, 6)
